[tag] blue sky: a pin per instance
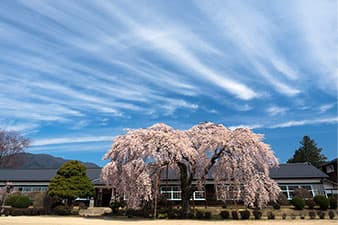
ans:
(74, 74)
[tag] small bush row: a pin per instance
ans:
(271, 216)
(23, 212)
(323, 202)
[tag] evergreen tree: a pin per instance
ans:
(70, 182)
(308, 152)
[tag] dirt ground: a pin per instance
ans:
(58, 220)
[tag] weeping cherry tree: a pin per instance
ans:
(238, 158)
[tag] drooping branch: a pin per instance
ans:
(237, 157)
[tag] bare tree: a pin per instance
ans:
(11, 145)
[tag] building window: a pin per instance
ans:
(173, 193)
(285, 191)
(30, 188)
(231, 193)
(288, 190)
(199, 195)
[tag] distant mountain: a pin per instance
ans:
(33, 161)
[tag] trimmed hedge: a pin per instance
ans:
(322, 201)
(257, 214)
(225, 214)
(245, 214)
(298, 203)
(234, 215)
(61, 210)
(23, 211)
(18, 201)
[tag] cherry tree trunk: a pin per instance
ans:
(185, 203)
(186, 189)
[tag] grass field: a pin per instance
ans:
(58, 220)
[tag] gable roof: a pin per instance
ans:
(38, 175)
(296, 170)
(284, 171)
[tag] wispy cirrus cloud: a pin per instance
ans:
(292, 123)
(252, 33)
(80, 66)
(286, 124)
(326, 107)
(19, 127)
(276, 110)
(70, 140)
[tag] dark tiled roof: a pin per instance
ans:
(296, 170)
(284, 171)
(38, 175)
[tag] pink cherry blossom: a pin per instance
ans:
(239, 161)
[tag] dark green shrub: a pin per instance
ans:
(276, 205)
(312, 215)
(245, 214)
(207, 215)
(257, 214)
(284, 216)
(11, 199)
(310, 203)
(331, 215)
(225, 214)
(298, 203)
(333, 202)
(321, 215)
(322, 201)
(115, 205)
(18, 201)
(271, 216)
(61, 210)
(234, 215)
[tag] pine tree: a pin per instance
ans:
(308, 152)
(71, 182)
